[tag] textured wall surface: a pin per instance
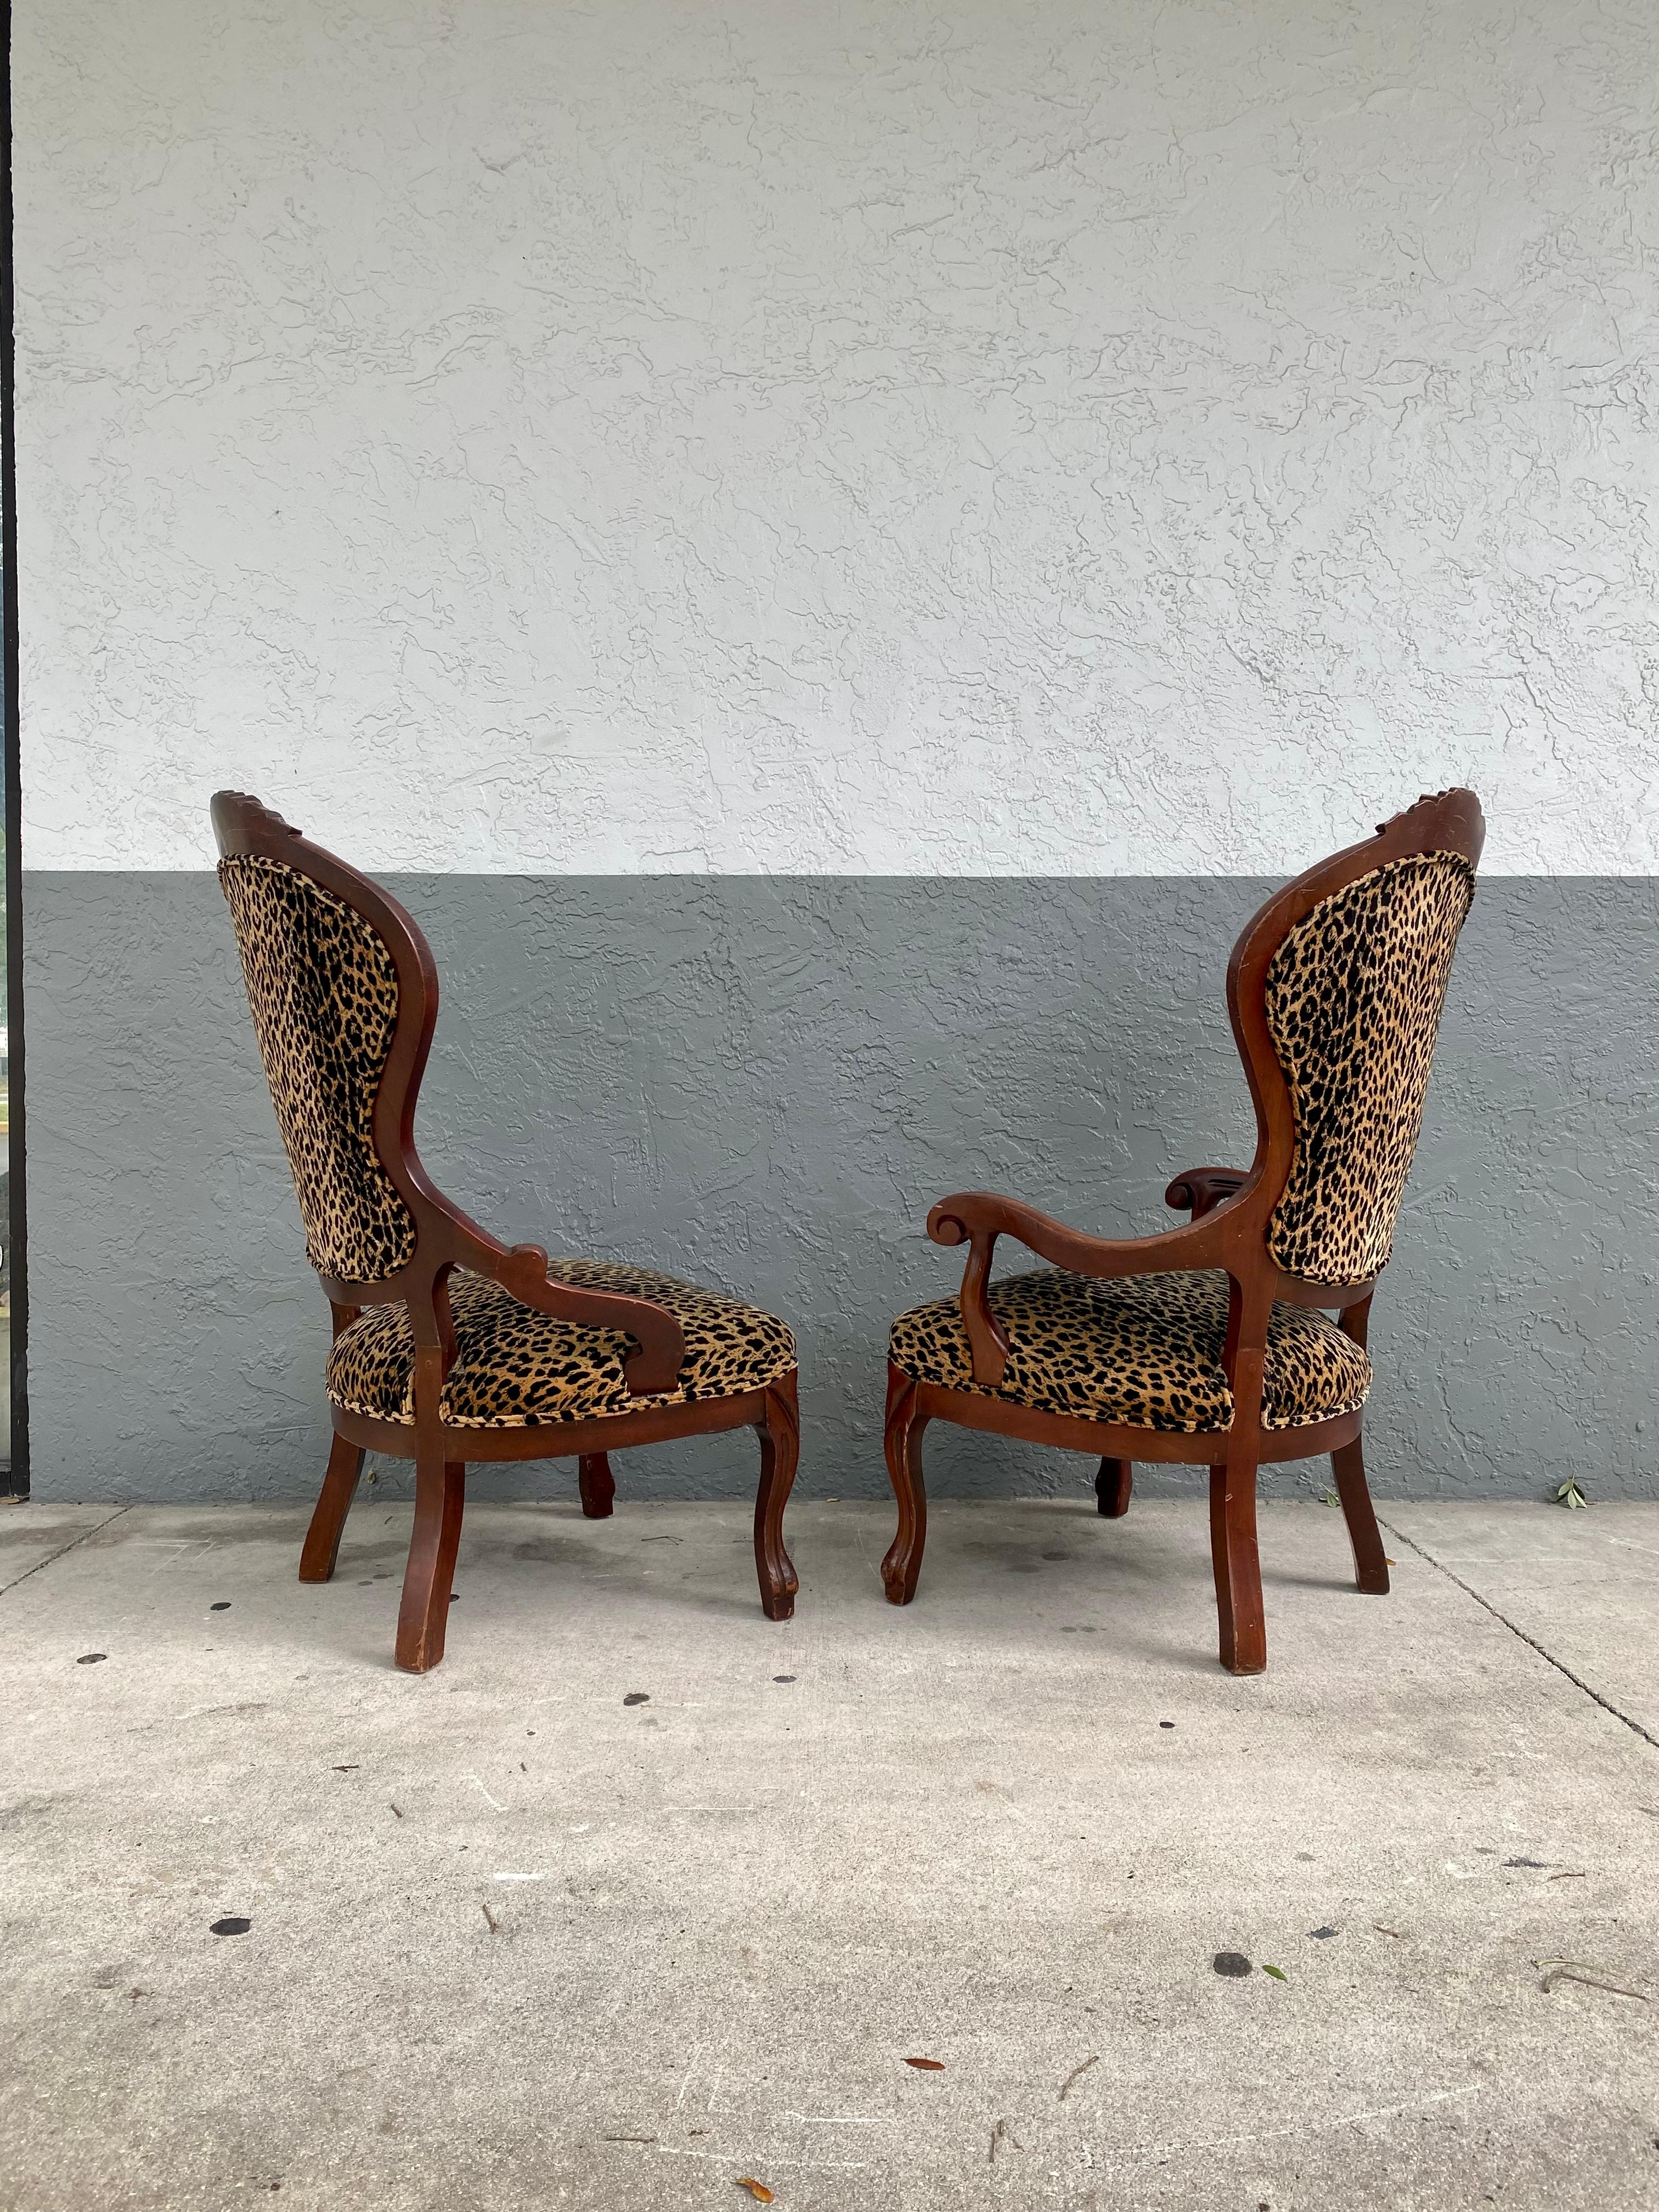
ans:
(783, 438)
(766, 1085)
(831, 530)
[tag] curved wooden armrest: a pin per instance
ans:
(1201, 1190)
(654, 1367)
(978, 1218)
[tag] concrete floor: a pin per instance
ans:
(515, 1942)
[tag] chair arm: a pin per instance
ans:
(978, 1218)
(523, 1271)
(1201, 1190)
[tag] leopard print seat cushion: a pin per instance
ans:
(1353, 1000)
(1141, 1351)
(519, 1368)
(322, 989)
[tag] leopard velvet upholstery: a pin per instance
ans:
(324, 992)
(1143, 1350)
(1353, 1000)
(518, 1369)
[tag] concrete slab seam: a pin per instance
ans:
(1577, 1680)
(62, 1549)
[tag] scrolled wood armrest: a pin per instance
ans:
(978, 1218)
(1201, 1190)
(523, 1271)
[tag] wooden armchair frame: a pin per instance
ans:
(1231, 1210)
(445, 1239)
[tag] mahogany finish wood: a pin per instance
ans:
(1230, 1210)
(1113, 1487)
(445, 1238)
(597, 1485)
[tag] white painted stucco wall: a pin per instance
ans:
(977, 438)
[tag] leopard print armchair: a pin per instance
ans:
(1240, 1337)
(449, 1347)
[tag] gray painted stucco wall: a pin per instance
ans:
(764, 1083)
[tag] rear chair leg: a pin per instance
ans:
(322, 1544)
(1369, 1560)
(779, 1436)
(423, 1616)
(597, 1485)
(1237, 1569)
(902, 1565)
(1112, 1487)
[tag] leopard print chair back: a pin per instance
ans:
(1352, 998)
(324, 991)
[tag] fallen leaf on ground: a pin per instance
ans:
(926, 2065)
(1571, 1495)
(757, 2190)
(1277, 1974)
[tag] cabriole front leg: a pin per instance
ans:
(780, 1439)
(1237, 1567)
(423, 1616)
(905, 1425)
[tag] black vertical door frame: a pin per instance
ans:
(14, 1483)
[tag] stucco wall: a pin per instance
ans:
(1080, 437)
(829, 531)
(765, 1084)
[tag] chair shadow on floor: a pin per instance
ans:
(545, 1565)
(1113, 1576)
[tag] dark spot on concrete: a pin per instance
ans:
(1233, 1964)
(1526, 1863)
(1056, 1555)
(1166, 1723)
(220, 1604)
(91, 1658)
(1321, 1932)
(783, 1677)
(232, 1924)
(638, 1698)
